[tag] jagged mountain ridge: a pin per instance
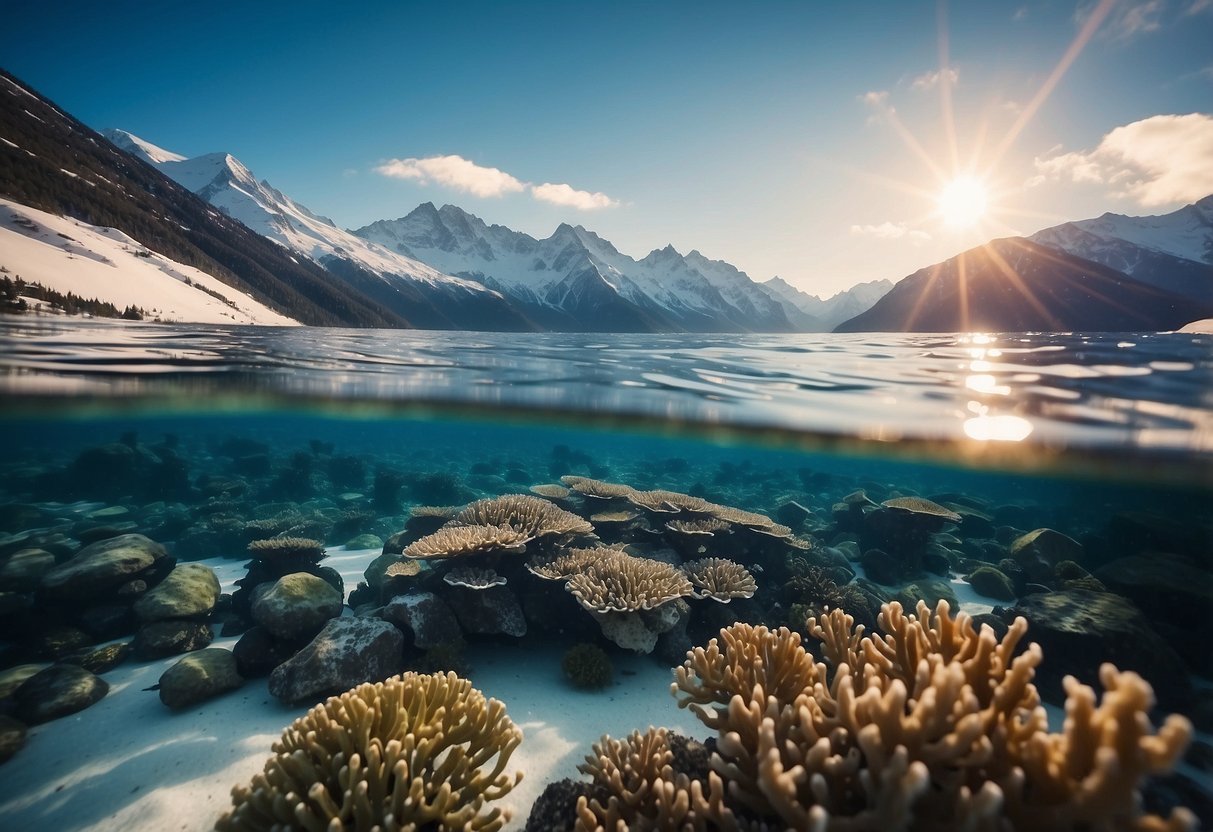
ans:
(1016, 285)
(424, 296)
(823, 315)
(575, 272)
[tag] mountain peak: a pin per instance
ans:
(140, 148)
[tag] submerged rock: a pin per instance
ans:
(190, 590)
(989, 582)
(296, 605)
(1038, 551)
(101, 567)
(168, 638)
(59, 690)
(424, 617)
(199, 676)
(491, 611)
(100, 660)
(258, 653)
(12, 678)
(24, 569)
(12, 737)
(347, 652)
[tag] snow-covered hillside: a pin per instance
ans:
(575, 273)
(829, 313)
(103, 263)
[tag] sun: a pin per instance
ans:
(963, 202)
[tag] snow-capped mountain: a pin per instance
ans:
(1171, 251)
(576, 279)
(823, 315)
(419, 293)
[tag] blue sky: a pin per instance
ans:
(807, 140)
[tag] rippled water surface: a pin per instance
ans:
(1109, 392)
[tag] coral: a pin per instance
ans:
(462, 541)
(596, 489)
(570, 563)
(702, 527)
(413, 752)
(671, 502)
(473, 578)
(529, 515)
(587, 666)
(288, 548)
(720, 579)
(551, 491)
(932, 725)
(619, 582)
(921, 505)
(402, 569)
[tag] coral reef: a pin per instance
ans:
(533, 516)
(464, 541)
(930, 725)
(413, 752)
(720, 579)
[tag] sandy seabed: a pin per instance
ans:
(129, 763)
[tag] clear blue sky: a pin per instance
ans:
(778, 136)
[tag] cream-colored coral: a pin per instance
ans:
(569, 563)
(671, 502)
(444, 512)
(932, 725)
(287, 547)
(524, 513)
(463, 541)
(551, 491)
(596, 489)
(402, 569)
(619, 582)
(700, 527)
(413, 752)
(473, 578)
(740, 517)
(720, 579)
(921, 505)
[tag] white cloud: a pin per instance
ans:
(876, 99)
(453, 172)
(463, 175)
(1199, 6)
(561, 194)
(948, 74)
(1160, 160)
(890, 231)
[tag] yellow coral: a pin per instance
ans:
(463, 541)
(523, 513)
(414, 752)
(720, 579)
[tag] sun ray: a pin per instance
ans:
(1020, 286)
(945, 85)
(1084, 35)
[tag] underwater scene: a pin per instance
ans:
(266, 579)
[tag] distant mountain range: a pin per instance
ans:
(446, 268)
(1113, 273)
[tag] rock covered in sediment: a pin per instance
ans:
(99, 659)
(425, 618)
(491, 611)
(24, 569)
(1038, 551)
(199, 676)
(12, 678)
(59, 690)
(296, 605)
(257, 652)
(991, 582)
(190, 590)
(171, 637)
(101, 567)
(12, 737)
(347, 652)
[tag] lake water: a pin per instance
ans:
(202, 438)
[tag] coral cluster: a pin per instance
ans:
(931, 725)
(413, 752)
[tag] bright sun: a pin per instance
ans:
(963, 202)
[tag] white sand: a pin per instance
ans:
(129, 763)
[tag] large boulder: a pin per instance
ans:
(191, 590)
(1079, 629)
(424, 617)
(24, 569)
(12, 737)
(170, 638)
(490, 611)
(347, 652)
(101, 567)
(199, 676)
(59, 690)
(296, 605)
(1038, 551)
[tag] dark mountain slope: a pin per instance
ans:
(1014, 285)
(52, 162)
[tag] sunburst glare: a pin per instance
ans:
(963, 202)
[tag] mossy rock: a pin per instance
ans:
(189, 591)
(199, 676)
(12, 737)
(59, 690)
(365, 541)
(587, 666)
(990, 582)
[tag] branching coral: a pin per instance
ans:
(287, 548)
(464, 541)
(533, 516)
(619, 582)
(932, 725)
(565, 566)
(720, 579)
(414, 752)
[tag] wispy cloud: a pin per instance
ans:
(561, 194)
(890, 231)
(928, 80)
(1159, 160)
(1199, 6)
(460, 174)
(1127, 18)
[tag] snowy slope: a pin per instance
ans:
(1186, 233)
(574, 277)
(103, 263)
